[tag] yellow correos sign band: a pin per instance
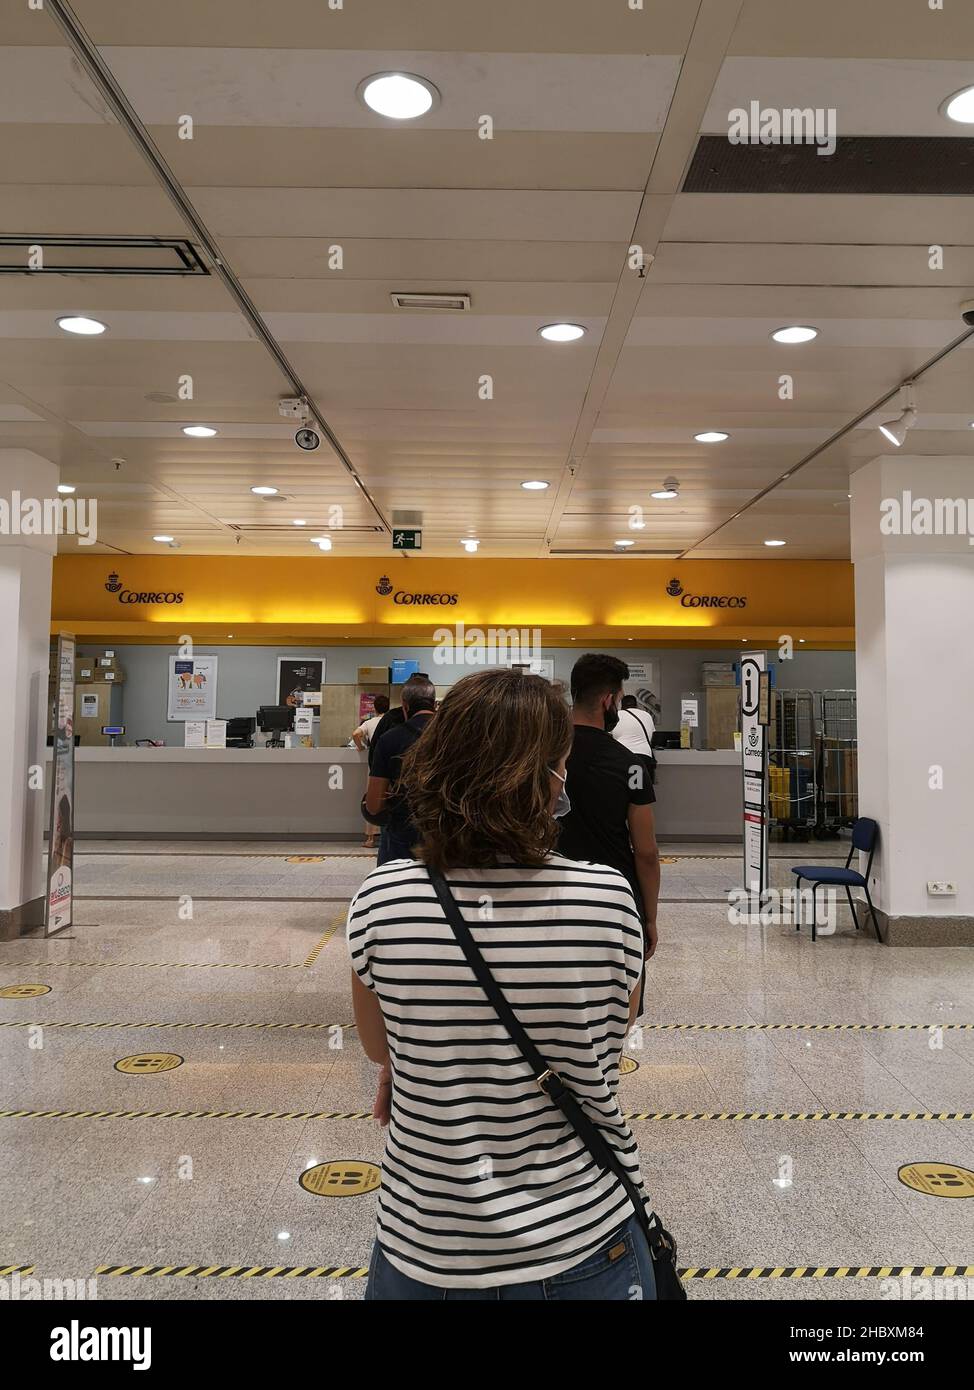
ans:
(158, 598)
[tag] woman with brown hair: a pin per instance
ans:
(488, 1191)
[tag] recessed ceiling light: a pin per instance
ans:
(624, 545)
(65, 487)
(801, 639)
(199, 431)
(797, 333)
(669, 490)
(229, 634)
(711, 437)
(265, 491)
(77, 323)
(561, 332)
(960, 106)
(401, 96)
(776, 542)
(299, 522)
(322, 542)
(536, 485)
(164, 540)
(469, 544)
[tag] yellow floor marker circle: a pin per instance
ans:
(937, 1179)
(24, 991)
(343, 1177)
(627, 1064)
(305, 858)
(149, 1063)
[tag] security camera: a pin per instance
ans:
(967, 312)
(307, 439)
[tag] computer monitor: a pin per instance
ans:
(240, 731)
(666, 738)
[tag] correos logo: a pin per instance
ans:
(115, 586)
(385, 588)
(675, 590)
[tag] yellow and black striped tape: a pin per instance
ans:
(25, 1114)
(799, 1027)
(116, 1023)
(16, 1269)
(691, 1273)
(184, 964)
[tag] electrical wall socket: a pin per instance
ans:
(941, 888)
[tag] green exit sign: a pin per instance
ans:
(407, 540)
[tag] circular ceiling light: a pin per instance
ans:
(299, 522)
(711, 437)
(669, 490)
(400, 96)
(66, 487)
(960, 107)
(199, 431)
(322, 542)
(470, 545)
(536, 485)
(624, 545)
(265, 491)
(796, 333)
(77, 323)
(776, 542)
(164, 540)
(562, 332)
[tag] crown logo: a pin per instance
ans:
(114, 583)
(384, 586)
(674, 588)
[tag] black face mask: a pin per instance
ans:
(610, 719)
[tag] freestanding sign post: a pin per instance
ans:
(58, 910)
(754, 760)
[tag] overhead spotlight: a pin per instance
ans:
(400, 96)
(795, 333)
(669, 490)
(199, 431)
(164, 540)
(562, 332)
(960, 107)
(322, 542)
(897, 429)
(776, 542)
(624, 545)
(536, 485)
(711, 437)
(264, 491)
(66, 487)
(470, 545)
(77, 323)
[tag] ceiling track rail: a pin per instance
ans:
(87, 54)
(834, 438)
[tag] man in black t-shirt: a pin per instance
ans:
(394, 716)
(398, 834)
(610, 790)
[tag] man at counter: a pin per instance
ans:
(610, 790)
(398, 834)
(392, 717)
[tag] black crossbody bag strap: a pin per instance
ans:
(549, 1081)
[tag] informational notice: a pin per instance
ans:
(195, 731)
(216, 733)
(690, 713)
(58, 907)
(304, 723)
(754, 760)
(192, 687)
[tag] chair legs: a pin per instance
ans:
(798, 904)
(872, 911)
(852, 906)
(814, 911)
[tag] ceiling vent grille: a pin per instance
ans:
(98, 255)
(917, 165)
(451, 303)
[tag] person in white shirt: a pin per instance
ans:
(635, 728)
(362, 738)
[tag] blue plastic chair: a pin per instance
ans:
(865, 833)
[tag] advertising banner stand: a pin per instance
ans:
(58, 904)
(754, 761)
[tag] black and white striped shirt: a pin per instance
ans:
(483, 1180)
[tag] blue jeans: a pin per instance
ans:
(393, 846)
(610, 1274)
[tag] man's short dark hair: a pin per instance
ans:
(596, 674)
(418, 694)
(380, 704)
(630, 702)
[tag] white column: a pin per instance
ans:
(25, 622)
(915, 681)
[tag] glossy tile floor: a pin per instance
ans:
(218, 953)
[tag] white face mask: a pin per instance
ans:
(562, 805)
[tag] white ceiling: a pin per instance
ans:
(597, 111)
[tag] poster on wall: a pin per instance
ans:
(644, 684)
(192, 687)
(60, 844)
(298, 676)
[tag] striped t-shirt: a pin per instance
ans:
(483, 1180)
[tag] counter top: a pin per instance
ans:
(694, 757)
(270, 756)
